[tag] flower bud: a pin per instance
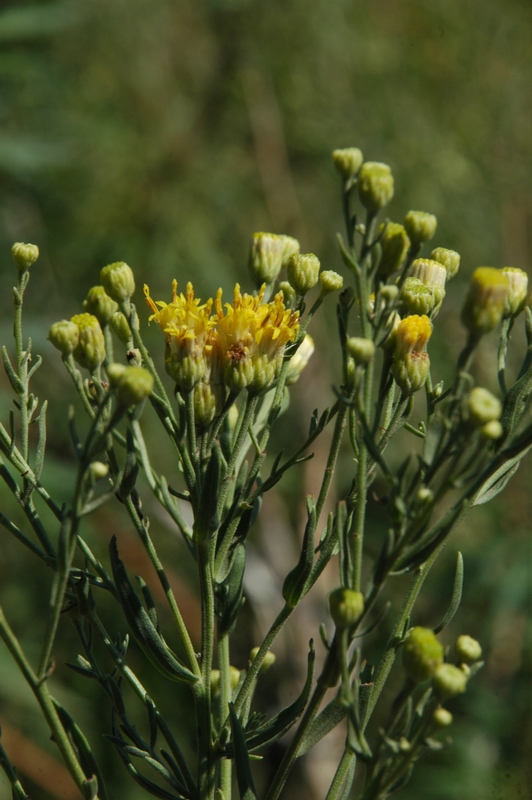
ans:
(268, 661)
(485, 301)
(394, 244)
(417, 297)
(64, 335)
(120, 326)
(389, 293)
(266, 257)
(303, 272)
(347, 161)
(433, 275)
(288, 293)
(206, 403)
(132, 384)
(424, 494)
(468, 649)
(361, 350)
(98, 470)
(215, 681)
(483, 406)
(517, 291)
(420, 226)
(118, 281)
(299, 360)
(90, 351)
(346, 607)
(24, 255)
(375, 185)
(422, 654)
(449, 681)
(449, 258)
(234, 677)
(100, 304)
(492, 430)
(290, 248)
(411, 362)
(442, 718)
(330, 281)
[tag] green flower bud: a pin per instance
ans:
(449, 681)
(449, 258)
(442, 718)
(215, 681)
(433, 275)
(98, 470)
(299, 360)
(330, 281)
(422, 654)
(100, 304)
(424, 494)
(517, 291)
(468, 649)
(120, 327)
(485, 301)
(375, 185)
(90, 351)
(234, 677)
(288, 293)
(492, 430)
(347, 161)
(134, 357)
(483, 407)
(411, 362)
(394, 244)
(132, 384)
(266, 257)
(24, 255)
(346, 607)
(416, 297)
(207, 402)
(290, 248)
(420, 226)
(268, 661)
(303, 272)
(118, 281)
(361, 350)
(64, 335)
(389, 293)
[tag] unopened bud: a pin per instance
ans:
(134, 357)
(394, 244)
(448, 681)
(417, 297)
(424, 494)
(389, 293)
(375, 185)
(118, 281)
(64, 335)
(347, 161)
(420, 226)
(234, 677)
(303, 271)
(468, 649)
(492, 431)
(215, 681)
(422, 654)
(411, 362)
(330, 281)
(267, 662)
(266, 257)
(90, 351)
(362, 350)
(517, 291)
(288, 293)
(290, 248)
(100, 304)
(24, 255)
(132, 384)
(121, 328)
(450, 259)
(485, 302)
(442, 718)
(483, 406)
(433, 274)
(346, 607)
(299, 360)
(98, 470)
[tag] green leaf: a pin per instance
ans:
(149, 640)
(229, 591)
(497, 482)
(456, 596)
(85, 756)
(244, 777)
(330, 717)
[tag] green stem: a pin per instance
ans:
(344, 774)
(247, 421)
(203, 687)
(225, 697)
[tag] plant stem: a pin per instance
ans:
(344, 774)
(225, 697)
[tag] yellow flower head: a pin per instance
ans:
(187, 325)
(411, 361)
(251, 337)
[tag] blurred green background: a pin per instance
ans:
(163, 133)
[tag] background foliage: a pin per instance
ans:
(163, 134)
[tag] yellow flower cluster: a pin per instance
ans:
(239, 346)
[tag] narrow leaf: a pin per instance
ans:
(330, 717)
(456, 596)
(244, 777)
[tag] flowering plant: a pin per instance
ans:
(231, 367)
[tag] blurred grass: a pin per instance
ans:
(164, 133)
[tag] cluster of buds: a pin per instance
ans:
(483, 412)
(269, 253)
(82, 337)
